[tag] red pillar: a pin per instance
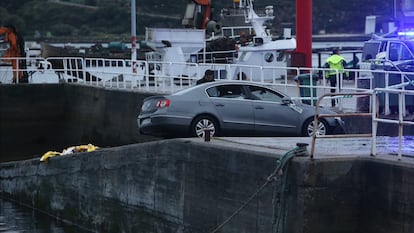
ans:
(304, 29)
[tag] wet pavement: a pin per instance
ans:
(387, 148)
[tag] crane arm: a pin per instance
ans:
(206, 14)
(202, 2)
(10, 37)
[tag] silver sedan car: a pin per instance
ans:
(231, 108)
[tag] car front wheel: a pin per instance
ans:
(203, 123)
(309, 128)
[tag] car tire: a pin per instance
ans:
(308, 128)
(201, 123)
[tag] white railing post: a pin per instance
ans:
(400, 125)
(83, 68)
(387, 96)
(374, 124)
(403, 99)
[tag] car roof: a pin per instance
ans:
(224, 82)
(240, 82)
(229, 82)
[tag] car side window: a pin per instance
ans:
(264, 94)
(212, 92)
(227, 91)
(399, 52)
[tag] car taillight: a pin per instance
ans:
(163, 103)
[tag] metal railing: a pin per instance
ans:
(345, 114)
(401, 111)
(156, 75)
(374, 114)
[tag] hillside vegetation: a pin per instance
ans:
(108, 20)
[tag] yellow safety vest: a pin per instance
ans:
(335, 62)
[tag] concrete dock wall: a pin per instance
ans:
(185, 185)
(363, 195)
(38, 118)
(164, 186)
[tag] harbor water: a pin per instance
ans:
(15, 218)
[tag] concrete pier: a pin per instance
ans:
(188, 185)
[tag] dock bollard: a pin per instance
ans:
(207, 135)
(301, 149)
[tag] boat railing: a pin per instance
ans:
(223, 56)
(69, 69)
(233, 11)
(27, 68)
(171, 76)
(235, 31)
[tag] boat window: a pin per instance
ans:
(261, 93)
(269, 57)
(280, 56)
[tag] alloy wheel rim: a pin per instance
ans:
(320, 129)
(202, 125)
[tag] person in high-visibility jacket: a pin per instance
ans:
(336, 63)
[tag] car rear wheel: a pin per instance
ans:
(202, 123)
(309, 128)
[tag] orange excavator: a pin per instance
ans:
(14, 52)
(199, 15)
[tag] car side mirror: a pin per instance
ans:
(286, 100)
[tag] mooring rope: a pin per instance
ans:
(300, 150)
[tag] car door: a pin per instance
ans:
(235, 111)
(271, 115)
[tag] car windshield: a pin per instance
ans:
(370, 50)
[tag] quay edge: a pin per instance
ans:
(187, 185)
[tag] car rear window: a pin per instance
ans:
(212, 92)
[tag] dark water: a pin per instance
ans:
(15, 218)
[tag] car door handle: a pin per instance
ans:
(259, 107)
(220, 105)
